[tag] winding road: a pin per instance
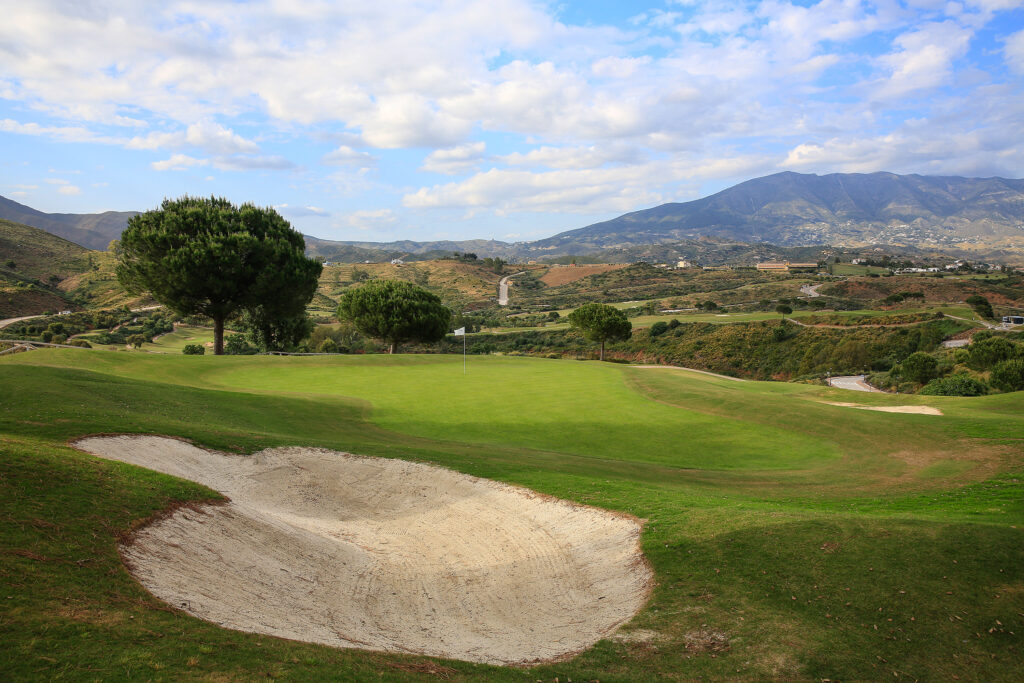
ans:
(811, 290)
(503, 288)
(10, 321)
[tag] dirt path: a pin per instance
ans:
(381, 554)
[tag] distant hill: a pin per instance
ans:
(90, 230)
(981, 217)
(354, 252)
(850, 209)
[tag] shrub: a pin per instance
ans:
(955, 385)
(46, 336)
(1009, 375)
(236, 345)
(80, 342)
(980, 305)
(660, 327)
(918, 367)
(327, 346)
(990, 351)
(137, 340)
(193, 350)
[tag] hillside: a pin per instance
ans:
(459, 284)
(90, 230)
(32, 263)
(37, 254)
(789, 209)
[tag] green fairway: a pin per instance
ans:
(174, 342)
(791, 539)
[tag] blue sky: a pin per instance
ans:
(504, 119)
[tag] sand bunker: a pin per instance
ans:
(916, 410)
(383, 554)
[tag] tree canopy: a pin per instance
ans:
(209, 257)
(396, 312)
(601, 323)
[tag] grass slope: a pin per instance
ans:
(791, 539)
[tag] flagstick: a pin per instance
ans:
(463, 354)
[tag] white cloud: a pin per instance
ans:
(1013, 52)
(251, 163)
(69, 189)
(923, 59)
(207, 136)
(720, 86)
(301, 211)
(178, 162)
(346, 156)
(62, 133)
(455, 160)
(371, 219)
(181, 162)
(592, 156)
(584, 191)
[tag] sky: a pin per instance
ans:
(492, 119)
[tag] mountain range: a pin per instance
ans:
(89, 230)
(980, 216)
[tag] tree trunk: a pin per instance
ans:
(602, 350)
(218, 336)
(391, 348)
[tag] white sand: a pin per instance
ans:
(916, 410)
(383, 554)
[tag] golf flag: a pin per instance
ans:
(459, 332)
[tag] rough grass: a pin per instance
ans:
(874, 546)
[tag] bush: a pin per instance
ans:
(918, 367)
(327, 346)
(137, 340)
(236, 345)
(660, 327)
(80, 342)
(980, 305)
(955, 385)
(990, 351)
(193, 350)
(1009, 375)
